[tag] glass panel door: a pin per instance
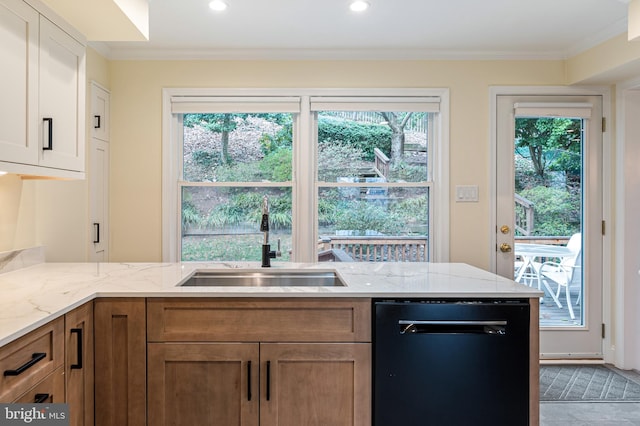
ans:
(549, 233)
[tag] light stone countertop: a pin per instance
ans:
(35, 295)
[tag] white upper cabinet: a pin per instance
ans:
(100, 113)
(19, 82)
(62, 96)
(43, 103)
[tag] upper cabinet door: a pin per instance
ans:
(19, 82)
(62, 98)
(99, 113)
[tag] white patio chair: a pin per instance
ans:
(565, 274)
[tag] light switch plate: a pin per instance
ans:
(466, 193)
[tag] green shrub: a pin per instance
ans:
(276, 165)
(556, 211)
(362, 216)
(363, 136)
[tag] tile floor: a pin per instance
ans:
(588, 414)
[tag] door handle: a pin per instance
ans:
(49, 122)
(505, 248)
(78, 332)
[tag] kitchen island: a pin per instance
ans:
(40, 294)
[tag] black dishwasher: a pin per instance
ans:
(451, 362)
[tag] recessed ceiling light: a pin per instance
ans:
(359, 6)
(218, 5)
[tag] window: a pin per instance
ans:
(347, 178)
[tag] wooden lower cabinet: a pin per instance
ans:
(267, 384)
(120, 362)
(315, 384)
(78, 325)
(203, 384)
(259, 361)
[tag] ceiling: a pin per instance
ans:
(389, 29)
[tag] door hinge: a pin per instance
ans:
(603, 227)
(603, 331)
(604, 124)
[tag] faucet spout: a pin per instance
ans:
(264, 223)
(267, 253)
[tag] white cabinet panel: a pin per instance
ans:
(19, 82)
(99, 202)
(100, 117)
(61, 99)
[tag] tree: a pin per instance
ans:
(549, 143)
(217, 123)
(397, 124)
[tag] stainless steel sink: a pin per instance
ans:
(266, 278)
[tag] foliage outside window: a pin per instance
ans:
(367, 211)
(222, 221)
(548, 167)
(368, 185)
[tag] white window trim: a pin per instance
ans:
(302, 207)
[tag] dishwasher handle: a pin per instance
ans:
(493, 327)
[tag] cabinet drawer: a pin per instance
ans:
(265, 320)
(50, 390)
(28, 360)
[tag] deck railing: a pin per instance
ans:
(378, 248)
(524, 215)
(382, 163)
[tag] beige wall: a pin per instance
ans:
(136, 94)
(612, 61)
(55, 213)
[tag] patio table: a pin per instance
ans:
(530, 270)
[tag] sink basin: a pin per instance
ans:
(266, 278)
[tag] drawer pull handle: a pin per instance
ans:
(248, 380)
(34, 359)
(40, 398)
(268, 380)
(78, 366)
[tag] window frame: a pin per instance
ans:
(304, 184)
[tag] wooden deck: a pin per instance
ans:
(553, 316)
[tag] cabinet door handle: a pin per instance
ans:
(96, 225)
(34, 359)
(97, 122)
(40, 398)
(248, 380)
(49, 122)
(268, 380)
(78, 366)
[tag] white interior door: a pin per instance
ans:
(549, 213)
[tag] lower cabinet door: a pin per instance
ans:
(78, 325)
(315, 384)
(203, 384)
